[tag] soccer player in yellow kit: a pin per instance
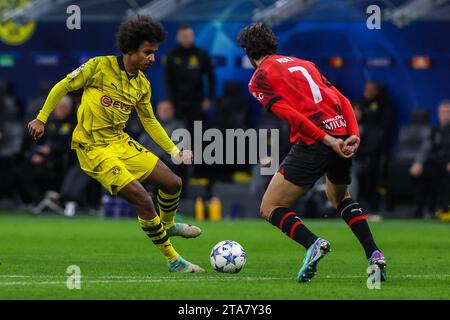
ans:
(113, 86)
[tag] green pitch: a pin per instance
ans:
(118, 261)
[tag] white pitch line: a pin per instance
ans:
(134, 281)
(125, 279)
(403, 276)
(225, 277)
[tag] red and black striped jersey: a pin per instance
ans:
(295, 91)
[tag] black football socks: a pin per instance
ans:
(353, 215)
(290, 223)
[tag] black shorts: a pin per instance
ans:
(305, 164)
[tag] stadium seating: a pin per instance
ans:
(410, 137)
(237, 200)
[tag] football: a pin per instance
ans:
(228, 256)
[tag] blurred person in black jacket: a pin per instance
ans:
(186, 66)
(46, 164)
(377, 118)
(11, 139)
(431, 168)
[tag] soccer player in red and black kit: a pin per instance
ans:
(325, 136)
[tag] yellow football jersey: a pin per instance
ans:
(109, 96)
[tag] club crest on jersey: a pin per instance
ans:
(193, 62)
(116, 170)
(17, 32)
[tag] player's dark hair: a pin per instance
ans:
(132, 33)
(257, 40)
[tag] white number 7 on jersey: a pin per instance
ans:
(314, 87)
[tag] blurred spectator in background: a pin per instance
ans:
(11, 139)
(356, 166)
(269, 121)
(431, 168)
(46, 164)
(185, 68)
(376, 122)
(231, 112)
(232, 108)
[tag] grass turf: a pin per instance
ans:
(118, 261)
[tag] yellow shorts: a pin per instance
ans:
(117, 164)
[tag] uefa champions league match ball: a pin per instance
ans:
(228, 256)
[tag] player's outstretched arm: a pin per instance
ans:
(73, 81)
(36, 127)
(158, 134)
(58, 92)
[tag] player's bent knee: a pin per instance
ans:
(261, 212)
(174, 185)
(266, 210)
(178, 183)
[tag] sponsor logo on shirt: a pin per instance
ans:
(107, 101)
(335, 123)
(115, 170)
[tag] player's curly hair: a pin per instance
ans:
(133, 32)
(257, 40)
